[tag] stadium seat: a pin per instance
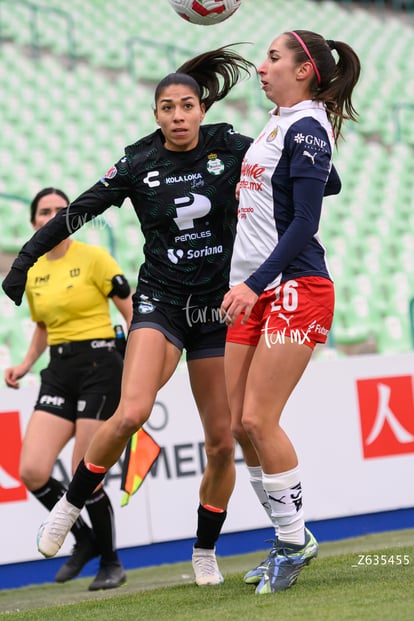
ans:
(80, 118)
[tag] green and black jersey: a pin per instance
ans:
(185, 202)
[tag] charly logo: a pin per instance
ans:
(151, 179)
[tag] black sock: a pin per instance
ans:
(83, 483)
(209, 527)
(49, 494)
(102, 518)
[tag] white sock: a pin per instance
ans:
(284, 491)
(256, 481)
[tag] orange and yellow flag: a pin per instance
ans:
(140, 454)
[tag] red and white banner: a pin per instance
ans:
(351, 420)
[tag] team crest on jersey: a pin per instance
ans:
(145, 307)
(214, 165)
(272, 135)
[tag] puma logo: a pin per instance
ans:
(287, 319)
(311, 156)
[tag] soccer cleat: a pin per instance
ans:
(205, 567)
(110, 576)
(286, 562)
(255, 575)
(53, 531)
(82, 552)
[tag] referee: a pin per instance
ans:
(68, 290)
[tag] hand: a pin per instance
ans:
(13, 374)
(14, 284)
(237, 191)
(239, 299)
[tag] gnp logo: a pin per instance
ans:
(386, 408)
(11, 487)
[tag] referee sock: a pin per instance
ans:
(210, 523)
(101, 514)
(49, 494)
(86, 479)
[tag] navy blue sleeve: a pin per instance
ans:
(334, 184)
(307, 197)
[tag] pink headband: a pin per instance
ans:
(308, 54)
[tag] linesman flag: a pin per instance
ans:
(140, 454)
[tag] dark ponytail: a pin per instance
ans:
(337, 79)
(211, 75)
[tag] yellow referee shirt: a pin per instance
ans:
(70, 295)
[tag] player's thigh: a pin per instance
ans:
(209, 390)
(273, 374)
(150, 361)
(237, 359)
(45, 437)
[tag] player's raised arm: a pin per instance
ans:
(85, 208)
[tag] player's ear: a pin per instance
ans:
(304, 71)
(203, 110)
(156, 116)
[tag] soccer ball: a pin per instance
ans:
(205, 12)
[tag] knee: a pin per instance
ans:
(239, 433)
(220, 452)
(32, 476)
(249, 427)
(126, 427)
(128, 420)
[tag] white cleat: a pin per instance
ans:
(205, 567)
(53, 531)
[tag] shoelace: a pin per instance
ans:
(207, 564)
(284, 550)
(60, 522)
(271, 553)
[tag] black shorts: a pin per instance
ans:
(82, 380)
(197, 329)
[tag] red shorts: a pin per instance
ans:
(300, 309)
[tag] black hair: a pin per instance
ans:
(337, 79)
(203, 72)
(40, 195)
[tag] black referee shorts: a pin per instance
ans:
(82, 380)
(197, 329)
